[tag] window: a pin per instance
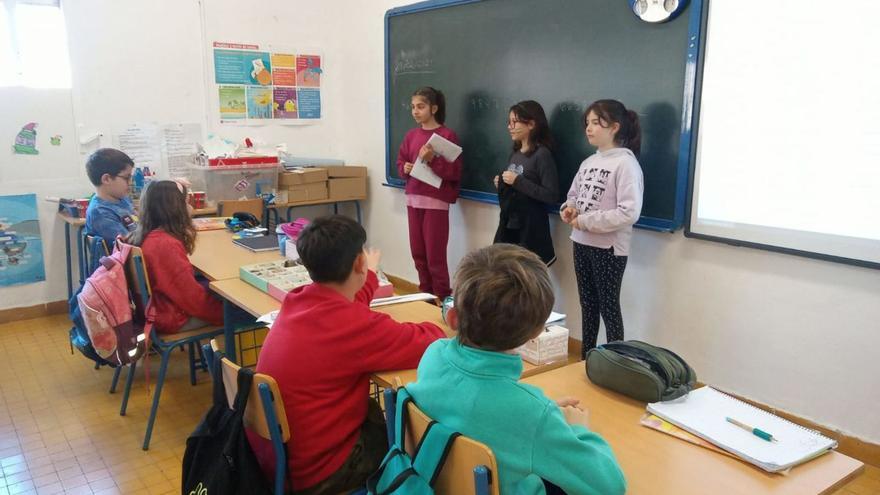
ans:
(33, 44)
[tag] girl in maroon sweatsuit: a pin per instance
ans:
(427, 206)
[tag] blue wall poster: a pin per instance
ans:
(21, 246)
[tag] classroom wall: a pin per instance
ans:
(51, 173)
(799, 334)
(795, 333)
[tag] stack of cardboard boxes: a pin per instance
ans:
(322, 184)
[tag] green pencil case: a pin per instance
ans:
(640, 370)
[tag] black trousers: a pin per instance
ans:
(599, 274)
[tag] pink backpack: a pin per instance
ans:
(106, 308)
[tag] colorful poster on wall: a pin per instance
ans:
(262, 83)
(285, 103)
(309, 103)
(21, 246)
(242, 66)
(232, 103)
(283, 69)
(259, 102)
(308, 71)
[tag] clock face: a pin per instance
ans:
(656, 10)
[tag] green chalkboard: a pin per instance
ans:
(487, 55)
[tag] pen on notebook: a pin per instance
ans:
(754, 431)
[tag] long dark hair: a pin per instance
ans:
(163, 206)
(613, 112)
(532, 111)
(434, 97)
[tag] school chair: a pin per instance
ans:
(94, 248)
(264, 415)
(226, 208)
(467, 460)
(139, 285)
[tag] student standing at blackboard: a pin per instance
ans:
(529, 183)
(427, 206)
(604, 202)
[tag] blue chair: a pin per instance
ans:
(467, 458)
(139, 285)
(264, 415)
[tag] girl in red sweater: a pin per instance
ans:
(427, 206)
(166, 236)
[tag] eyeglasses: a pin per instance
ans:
(512, 123)
(126, 178)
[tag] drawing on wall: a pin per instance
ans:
(21, 246)
(26, 140)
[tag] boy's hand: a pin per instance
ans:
(567, 401)
(373, 256)
(495, 180)
(407, 168)
(426, 153)
(575, 416)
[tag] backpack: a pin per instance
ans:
(79, 336)
(105, 308)
(639, 370)
(218, 459)
(401, 473)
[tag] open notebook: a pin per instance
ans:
(703, 412)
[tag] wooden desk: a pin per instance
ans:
(257, 302)
(218, 258)
(656, 463)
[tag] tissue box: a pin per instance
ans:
(385, 288)
(551, 345)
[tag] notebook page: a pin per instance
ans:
(704, 412)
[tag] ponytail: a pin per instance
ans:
(630, 135)
(434, 97)
(613, 112)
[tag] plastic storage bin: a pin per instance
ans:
(234, 182)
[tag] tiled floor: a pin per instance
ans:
(60, 431)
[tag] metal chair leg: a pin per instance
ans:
(128, 380)
(115, 380)
(166, 356)
(191, 349)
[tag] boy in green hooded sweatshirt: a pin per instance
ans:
(469, 383)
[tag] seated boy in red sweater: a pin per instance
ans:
(322, 349)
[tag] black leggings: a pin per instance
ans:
(599, 274)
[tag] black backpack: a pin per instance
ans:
(218, 459)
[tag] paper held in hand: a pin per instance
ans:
(442, 147)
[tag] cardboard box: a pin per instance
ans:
(347, 171)
(307, 192)
(347, 188)
(551, 345)
(302, 176)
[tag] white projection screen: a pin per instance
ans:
(788, 146)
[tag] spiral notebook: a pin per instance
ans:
(704, 413)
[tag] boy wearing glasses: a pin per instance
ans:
(110, 212)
